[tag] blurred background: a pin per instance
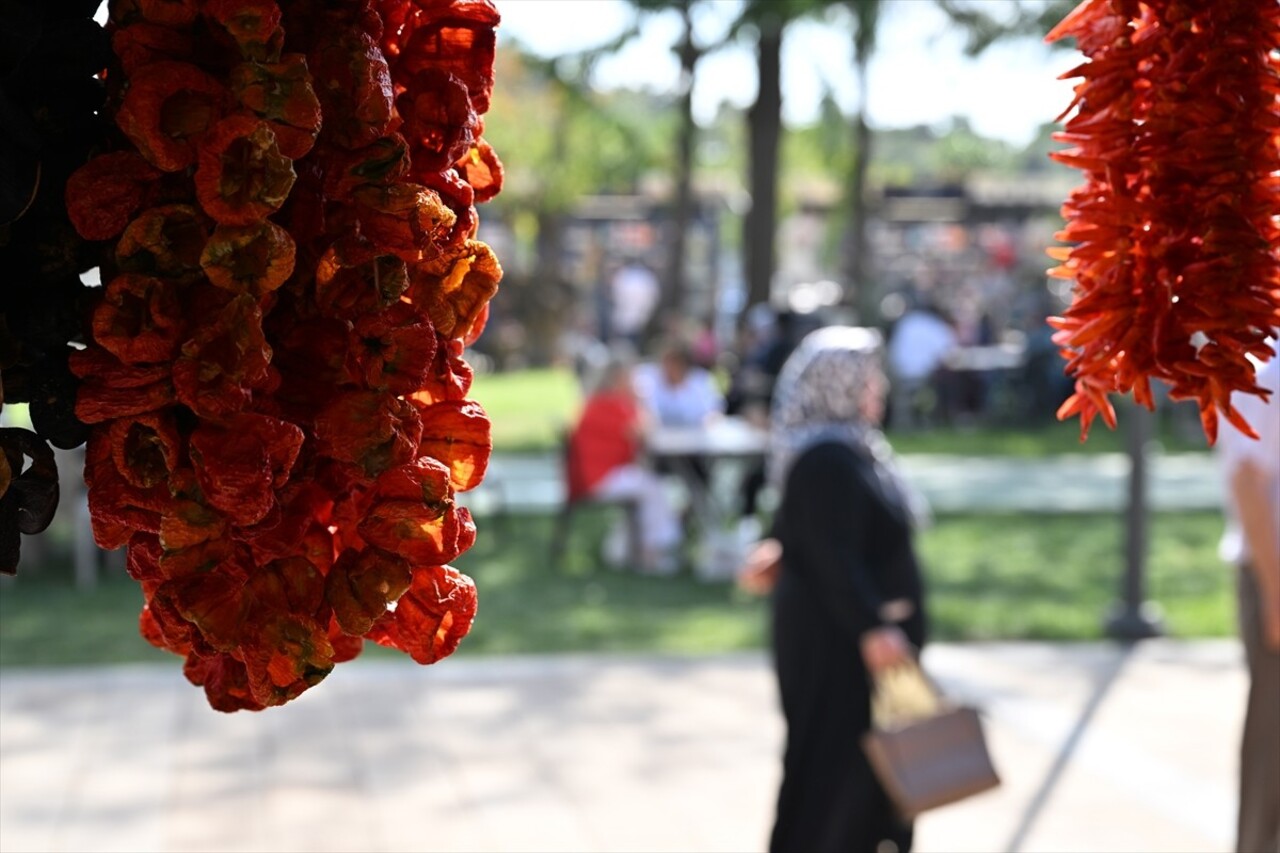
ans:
(731, 174)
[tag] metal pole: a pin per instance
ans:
(1133, 617)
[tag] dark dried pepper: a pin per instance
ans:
(168, 108)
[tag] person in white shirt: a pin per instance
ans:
(1251, 468)
(676, 391)
(921, 339)
(634, 291)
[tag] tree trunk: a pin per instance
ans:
(764, 123)
(546, 297)
(860, 291)
(673, 282)
(546, 301)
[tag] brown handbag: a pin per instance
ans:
(925, 752)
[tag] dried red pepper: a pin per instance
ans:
(167, 109)
(254, 259)
(105, 193)
(277, 375)
(139, 319)
(168, 13)
(252, 25)
(242, 177)
(143, 43)
(164, 241)
(1177, 245)
(432, 617)
(281, 93)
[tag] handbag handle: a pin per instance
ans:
(902, 695)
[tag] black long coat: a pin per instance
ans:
(846, 545)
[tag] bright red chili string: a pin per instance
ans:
(1176, 240)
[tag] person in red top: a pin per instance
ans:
(604, 462)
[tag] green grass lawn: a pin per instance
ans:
(990, 577)
(529, 408)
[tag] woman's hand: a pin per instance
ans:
(885, 648)
(759, 571)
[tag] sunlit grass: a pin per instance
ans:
(990, 577)
(529, 409)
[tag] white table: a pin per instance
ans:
(719, 440)
(723, 437)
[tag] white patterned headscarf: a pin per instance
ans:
(818, 399)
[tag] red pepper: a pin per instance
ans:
(105, 193)
(432, 617)
(254, 259)
(1177, 247)
(167, 109)
(253, 25)
(281, 94)
(242, 177)
(276, 378)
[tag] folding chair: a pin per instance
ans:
(563, 527)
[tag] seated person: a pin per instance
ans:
(604, 448)
(920, 341)
(677, 391)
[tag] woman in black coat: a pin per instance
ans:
(847, 597)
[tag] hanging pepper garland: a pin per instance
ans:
(1176, 254)
(276, 383)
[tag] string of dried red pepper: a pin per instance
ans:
(1176, 255)
(276, 381)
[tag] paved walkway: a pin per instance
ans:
(1075, 483)
(1102, 748)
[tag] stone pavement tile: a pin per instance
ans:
(609, 753)
(1101, 749)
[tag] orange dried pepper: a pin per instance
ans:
(353, 278)
(372, 429)
(407, 219)
(143, 43)
(457, 432)
(361, 584)
(355, 91)
(455, 295)
(394, 349)
(241, 461)
(146, 448)
(378, 163)
(224, 362)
